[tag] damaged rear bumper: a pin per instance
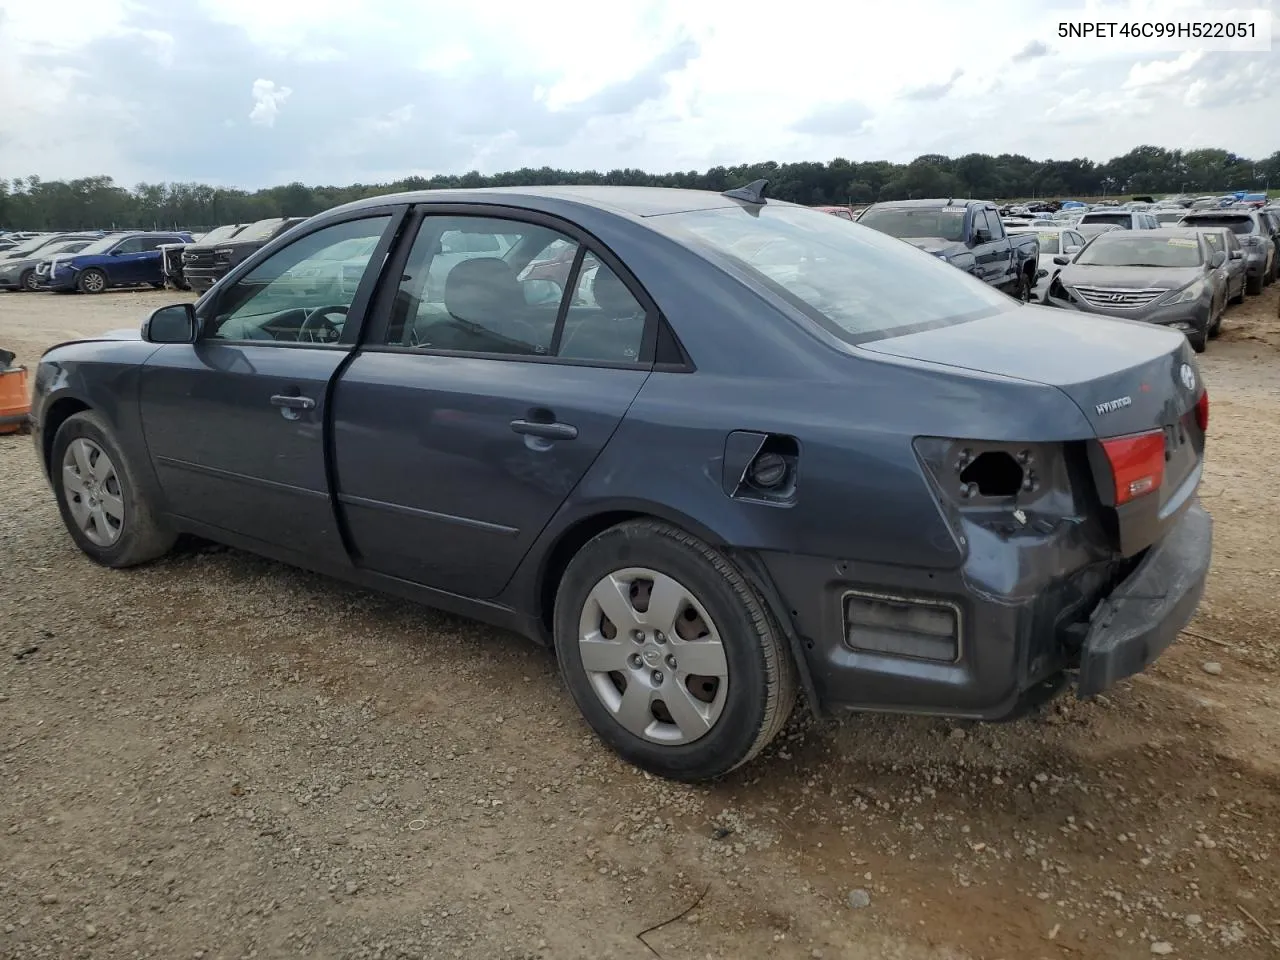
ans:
(1144, 614)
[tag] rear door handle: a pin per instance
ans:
(293, 403)
(547, 431)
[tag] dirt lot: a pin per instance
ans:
(219, 757)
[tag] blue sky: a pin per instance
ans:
(256, 92)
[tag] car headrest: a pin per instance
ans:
(482, 289)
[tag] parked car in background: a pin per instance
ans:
(35, 244)
(1257, 238)
(1233, 271)
(1168, 276)
(1169, 216)
(925, 490)
(844, 213)
(24, 273)
(1053, 242)
(171, 253)
(967, 234)
(1124, 219)
(206, 262)
(117, 260)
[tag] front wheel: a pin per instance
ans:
(105, 511)
(28, 281)
(1199, 339)
(672, 658)
(92, 281)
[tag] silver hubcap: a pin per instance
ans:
(92, 491)
(93, 282)
(653, 656)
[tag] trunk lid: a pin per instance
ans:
(1126, 377)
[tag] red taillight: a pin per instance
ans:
(1202, 411)
(1137, 463)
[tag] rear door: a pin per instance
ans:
(482, 395)
(235, 422)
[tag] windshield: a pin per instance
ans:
(262, 230)
(225, 232)
(1137, 250)
(1237, 225)
(103, 245)
(912, 222)
(858, 284)
(1120, 219)
(27, 246)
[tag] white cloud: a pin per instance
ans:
(267, 101)
(1161, 72)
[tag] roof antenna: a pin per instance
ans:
(753, 192)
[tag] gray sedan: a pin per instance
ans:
(771, 452)
(1169, 277)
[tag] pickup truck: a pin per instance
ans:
(967, 234)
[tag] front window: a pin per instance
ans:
(909, 223)
(1136, 250)
(859, 284)
(302, 292)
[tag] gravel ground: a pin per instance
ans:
(219, 757)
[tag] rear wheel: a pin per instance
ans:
(104, 508)
(92, 281)
(672, 658)
(1022, 291)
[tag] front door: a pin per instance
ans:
(480, 400)
(235, 422)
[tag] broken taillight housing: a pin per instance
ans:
(1137, 464)
(1202, 411)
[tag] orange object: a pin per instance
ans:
(14, 405)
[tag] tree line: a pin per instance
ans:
(30, 203)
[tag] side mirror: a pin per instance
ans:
(1237, 254)
(1041, 274)
(1061, 261)
(1218, 259)
(1071, 248)
(172, 324)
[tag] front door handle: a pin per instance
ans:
(547, 431)
(293, 403)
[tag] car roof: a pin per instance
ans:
(1169, 232)
(636, 201)
(1224, 212)
(935, 202)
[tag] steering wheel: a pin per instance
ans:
(317, 327)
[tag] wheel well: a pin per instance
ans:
(57, 415)
(570, 542)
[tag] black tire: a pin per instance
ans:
(27, 282)
(158, 286)
(1022, 289)
(1253, 285)
(91, 281)
(143, 537)
(761, 675)
(1199, 339)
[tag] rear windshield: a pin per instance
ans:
(224, 232)
(1049, 240)
(1120, 219)
(1240, 225)
(946, 223)
(1137, 249)
(857, 283)
(262, 230)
